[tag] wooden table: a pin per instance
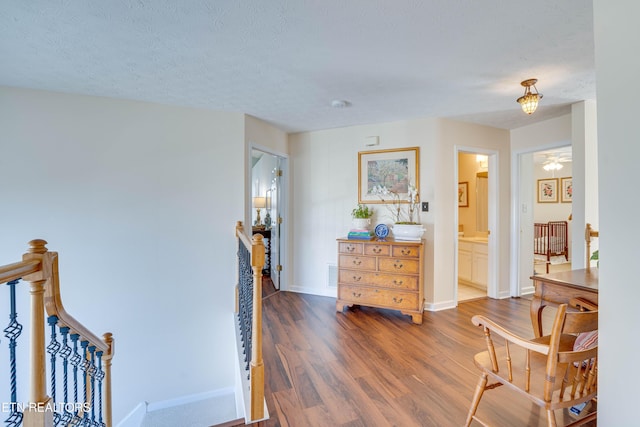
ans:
(560, 288)
(266, 270)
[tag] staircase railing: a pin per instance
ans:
(251, 257)
(79, 368)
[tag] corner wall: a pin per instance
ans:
(140, 200)
(616, 36)
(325, 190)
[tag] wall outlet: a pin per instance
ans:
(425, 206)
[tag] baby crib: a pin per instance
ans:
(550, 239)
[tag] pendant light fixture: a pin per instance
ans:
(529, 101)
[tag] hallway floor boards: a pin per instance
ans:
(371, 367)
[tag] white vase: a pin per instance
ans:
(407, 231)
(361, 223)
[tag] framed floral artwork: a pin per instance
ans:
(383, 171)
(566, 186)
(548, 190)
(463, 194)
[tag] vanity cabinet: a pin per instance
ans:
(473, 266)
(383, 274)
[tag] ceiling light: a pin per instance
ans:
(529, 101)
(339, 103)
(552, 166)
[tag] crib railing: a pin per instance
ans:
(78, 370)
(251, 258)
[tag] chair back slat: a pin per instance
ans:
(582, 321)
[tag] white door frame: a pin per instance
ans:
(516, 203)
(493, 204)
(284, 207)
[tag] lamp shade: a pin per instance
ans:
(529, 102)
(259, 202)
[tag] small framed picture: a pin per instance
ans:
(548, 190)
(566, 186)
(463, 194)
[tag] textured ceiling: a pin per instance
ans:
(284, 61)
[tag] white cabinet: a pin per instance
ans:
(465, 261)
(473, 263)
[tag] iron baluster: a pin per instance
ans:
(245, 297)
(100, 376)
(75, 362)
(84, 366)
(92, 376)
(64, 353)
(52, 349)
(12, 332)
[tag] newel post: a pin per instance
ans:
(108, 339)
(38, 416)
(257, 365)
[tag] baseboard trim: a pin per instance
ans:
(192, 398)
(445, 305)
(328, 292)
(136, 416)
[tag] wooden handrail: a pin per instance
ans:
(18, 269)
(54, 307)
(40, 268)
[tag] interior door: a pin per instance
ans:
(267, 182)
(275, 204)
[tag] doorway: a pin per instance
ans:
(552, 166)
(473, 226)
(268, 201)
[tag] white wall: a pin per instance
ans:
(140, 201)
(325, 190)
(544, 212)
(524, 141)
(616, 35)
(585, 154)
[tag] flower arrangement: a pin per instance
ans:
(396, 206)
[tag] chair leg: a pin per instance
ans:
(551, 418)
(477, 395)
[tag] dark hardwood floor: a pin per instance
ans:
(371, 367)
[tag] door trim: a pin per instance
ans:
(493, 205)
(284, 210)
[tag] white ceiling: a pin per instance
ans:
(284, 61)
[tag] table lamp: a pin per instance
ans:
(259, 203)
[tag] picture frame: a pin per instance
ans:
(463, 194)
(566, 188)
(548, 190)
(394, 169)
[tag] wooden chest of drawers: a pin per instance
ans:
(384, 274)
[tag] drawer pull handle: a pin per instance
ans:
(358, 295)
(351, 248)
(357, 262)
(398, 282)
(398, 265)
(405, 252)
(377, 250)
(357, 278)
(397, 301)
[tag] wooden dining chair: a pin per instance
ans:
(555, 371)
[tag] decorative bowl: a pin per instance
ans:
(407, 231)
